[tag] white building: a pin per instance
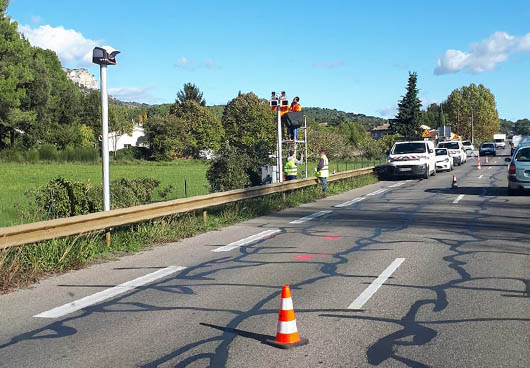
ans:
(136, 139)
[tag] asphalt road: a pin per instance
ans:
(458, 296)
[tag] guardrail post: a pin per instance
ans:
(107, 237)
(204, 217)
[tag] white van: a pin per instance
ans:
(416, 158)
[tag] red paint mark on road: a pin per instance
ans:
(307, 257)
(304, 257)
(333, 237)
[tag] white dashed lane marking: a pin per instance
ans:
(246, 241)
(345, 204)
(377, 192)
(458, 198)
(374, 286)
(310, 217)
(108, 293)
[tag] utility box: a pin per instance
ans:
(269, 174)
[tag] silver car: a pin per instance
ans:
(519, 169)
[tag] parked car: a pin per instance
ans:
(414, 158)
(519, 169)
(487, 148)
(468, 147)
(456, 151)
(443, 159)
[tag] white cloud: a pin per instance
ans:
(72, 48)
(328, 64)
(388, 111)
(193, 64)
(484, 55)
(133, 94)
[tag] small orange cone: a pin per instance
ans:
(478, 164)
(287, 334)
(486, 159)
(454, 183)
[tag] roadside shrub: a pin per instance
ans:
(228, 170)
(12, 155)
(48, 152)
(32, 156)
(78, 154)
(133, 153)
(64, 198)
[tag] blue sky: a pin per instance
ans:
(349, 55)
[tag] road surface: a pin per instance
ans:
(402, 273)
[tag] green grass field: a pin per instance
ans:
(188, 178)
(17, 178)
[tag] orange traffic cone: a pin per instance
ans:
(454, 183)
(478, 163)
(287, 335)
(486, 159)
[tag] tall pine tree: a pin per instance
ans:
(407, 122)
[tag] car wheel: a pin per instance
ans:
(511, 191)
(426, 174)
(434, 172)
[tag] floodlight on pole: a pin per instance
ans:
(277, 102)
(104, 56)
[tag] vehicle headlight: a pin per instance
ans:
(446, 159)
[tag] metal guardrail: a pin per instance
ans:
(45, 230)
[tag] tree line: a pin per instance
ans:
(469, 111)
(39, 105)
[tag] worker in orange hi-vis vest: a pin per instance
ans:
(283, 110)
(295, 105)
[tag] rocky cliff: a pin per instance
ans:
(82, 77)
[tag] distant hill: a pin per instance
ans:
(334, 117)
(320, 115)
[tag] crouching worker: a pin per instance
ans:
(290, 168)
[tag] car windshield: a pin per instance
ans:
(450, 145)
(409, 148)
(499, 140)
(466, 143)
(487, 145)
(441, 152)
(523, 155)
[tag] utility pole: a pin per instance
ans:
(104, 56)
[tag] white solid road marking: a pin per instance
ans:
(377, 192)
(458, 198)
(349, 202)
(108, 293)
(374, 286)
(397, 185)
(480, 177)
(491, 167)
(246, 241)
(310, 217)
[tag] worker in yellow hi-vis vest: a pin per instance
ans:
(323, 172)
(290, 168)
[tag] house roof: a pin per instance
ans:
(385, 126)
